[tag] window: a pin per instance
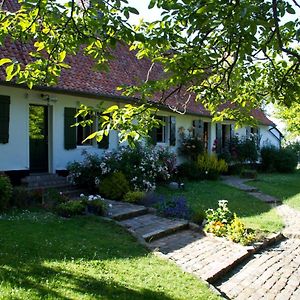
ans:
(165, 133)
(161, 131)
(83, 132)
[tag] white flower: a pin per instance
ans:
(82, 195)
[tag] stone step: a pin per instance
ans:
(121, 211)
(265, 198)
(44, 180)
(205, 256)
(151, 227)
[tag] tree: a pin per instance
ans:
(291, 117)
(215, 52)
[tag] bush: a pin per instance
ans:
(198, 216)
(286, 161)
(176, 207)
(143, 167)
(188, 170)
(5, 192)
(268, 157)
(210, 167)
(115, 186)
(95, 204)
(294, 147)
(191, 147)
(86, 174)
(71, 208)
(247, 173)
(280, 160)
(134, 197)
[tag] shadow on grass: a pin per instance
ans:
(68, 259)
(34, 280)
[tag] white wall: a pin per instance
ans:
(15, 154)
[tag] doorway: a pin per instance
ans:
(38, 138)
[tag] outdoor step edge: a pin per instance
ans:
(255, 248)
(157, 234)
(130, 214)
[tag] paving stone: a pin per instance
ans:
(151, 227)
(271, 282)
(119, 210)
(204, 256)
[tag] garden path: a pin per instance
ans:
(273, 273)
(236, 271)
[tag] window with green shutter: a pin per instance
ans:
(70, 132)
(4, 119)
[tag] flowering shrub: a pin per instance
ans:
(223, 223)
(95, 204)
(177, 207)
(86, 174)
(190, 146)
(142, 166)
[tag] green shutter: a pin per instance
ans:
(4, 119)
(198, 128)
(153, 136)
(219, 137)
(172, 123)
(104, 144)
(70, 132)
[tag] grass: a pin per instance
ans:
(283, 186)
(46, 257)
(202, 195)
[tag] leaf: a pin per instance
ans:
(62, 55)
(290, 10)
(133, 10)
(4, 61)
(111, 109)
(90, 137)
(151, 4)
(39, 45)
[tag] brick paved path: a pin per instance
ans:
(275, 272)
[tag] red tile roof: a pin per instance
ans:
(125, 69)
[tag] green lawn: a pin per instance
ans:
(205, 194)
(284, 186)
(46, 257)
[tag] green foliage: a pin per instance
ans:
(198, 216)
(268, 157)
(114, 186)
(97, 207)
(294, 147)
(210, 167)
(241, 150)
(223, 223)
(248, 173)
(286, 161)
(70, 208)
(188, 170)
(5, 191)
(248, 47)
(134, 196)
(238, 233)
(143, 167)
(290, 116)
(253, 212)
(191, 147)
(281, 160)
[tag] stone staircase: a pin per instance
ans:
(38, 181)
